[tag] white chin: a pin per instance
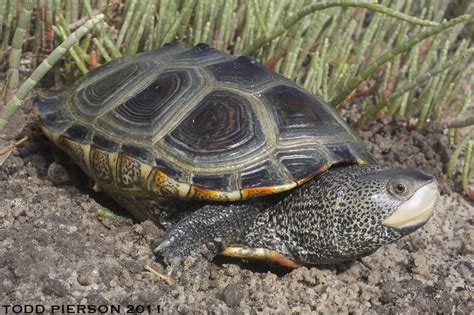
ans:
(416, 210)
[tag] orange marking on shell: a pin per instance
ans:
(202, 193)
(322, 169)
(159, 176)
(277, 258)
(258, 191)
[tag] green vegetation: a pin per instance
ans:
(408, 58)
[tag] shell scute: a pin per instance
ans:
(57, 120)
(222, 127)
(154, 103)
(199, 55)
(147, 105)
(225, 182)
(97, 92)
(79, 133)
(172, 170)
(129, 173)
(263, 175)
(104, 143)
(74, 149)
(161, 184)
(302, 162)
(138, 152)
(298, 114)
(100, 165)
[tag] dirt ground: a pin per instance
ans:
(56, 250)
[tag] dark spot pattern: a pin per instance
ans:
(128, 172)
(101, 166)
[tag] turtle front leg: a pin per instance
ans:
(205, 232)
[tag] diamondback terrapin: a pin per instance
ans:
(229, 155)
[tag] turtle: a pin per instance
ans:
(232, 158)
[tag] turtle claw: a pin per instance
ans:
(163, 245)
(175, 264)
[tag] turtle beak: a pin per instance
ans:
(417, 210)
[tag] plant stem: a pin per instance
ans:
(292, 20)
(411, 85)
(44, 67)
(462, 122)
(13, 77)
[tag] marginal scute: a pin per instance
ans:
(161, 184)
(103, 142)
(56, 120)
(341, 153)
(266, 174)
(128, 172)
(223, 182)
(171, 170)
(243, 71)
(205, 194)
(137, 152)
(47, 104)
(100, 165)
(223, 126)
(74, 149)
(79, 133)
(254, 192)
(302, 163)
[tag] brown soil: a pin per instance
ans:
(55, 249)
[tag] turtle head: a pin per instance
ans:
(378, 206)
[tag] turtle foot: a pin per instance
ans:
(185, 264)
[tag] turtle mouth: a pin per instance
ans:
(417, 210)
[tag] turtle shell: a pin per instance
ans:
(196, 124)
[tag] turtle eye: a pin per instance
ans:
(400, 187)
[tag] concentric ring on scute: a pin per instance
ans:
(90, 99)
(153, 105)
(221, 127)
(148, 104)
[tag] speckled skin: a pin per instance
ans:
(333, 218)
